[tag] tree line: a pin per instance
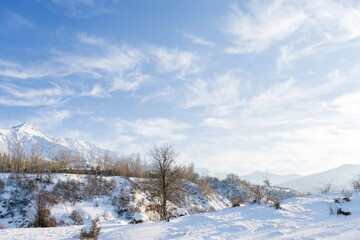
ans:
(17, 160)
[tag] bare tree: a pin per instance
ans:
(166, 180)
(356, 183)
(266, 180)
(326, 187)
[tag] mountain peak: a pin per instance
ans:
(23, 125)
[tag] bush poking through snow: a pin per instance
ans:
(43, 201)
(91, 231)
(346, 196)
(277, 204)
(257, 193)
(2, 185)
(2, 226)
(139, 218)
(332, 208)
(76, 217)
(326, 188)
(356, 184)
(341, 212)
(236, 201)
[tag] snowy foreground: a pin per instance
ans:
(299, 218)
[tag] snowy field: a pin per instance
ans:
(299, 218)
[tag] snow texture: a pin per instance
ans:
(298, 218)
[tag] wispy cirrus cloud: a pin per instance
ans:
(298, 28)
(174, 60)
(220, 95)
(20, 20)
(49, 118)
(264, 24)
(83, 8)
(288, 124)
(165, 94)
(88, 39)
(156, 128)
(197, 40)
(17, 70)
(13, 95)
(117, 67)
(96, 91)
(113, 67)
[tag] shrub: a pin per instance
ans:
(346, 195)
(257, 193)
(204, 185)
(277, 204)
(2, 185)
(68, 191)
(332, 208)
(2, 226)
(236, 201)
(341, 212)
(98, 186)
(43, 201)
(91, 232)
(356, 184)
(76, 217)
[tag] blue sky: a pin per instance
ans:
(235, 86)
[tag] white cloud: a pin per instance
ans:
(156, 128)
(16, 70)
(49, 118)
(264, 24)
(287, 124)
(118, 68)
(298, 28)
(170, 60)
(19, 96)
(165, 94)
(113, 60)
(218, 123)
(348, 104)
(198, 40)
(96, 91)
(129, 81)
(20, 19)
(220, 95)
(85, 38)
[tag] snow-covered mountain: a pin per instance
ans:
(259, 177)
(340, 178)
(33, 141)
(204, 172)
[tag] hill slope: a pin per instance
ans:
(340, 177)
(299, 218)
(258, 177)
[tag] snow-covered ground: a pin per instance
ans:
(117, 204)
(299, 218)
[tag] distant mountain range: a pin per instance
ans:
(340, 178)
(259, 177)
(32, 140)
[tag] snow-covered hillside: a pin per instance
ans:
(340, 178)
(33, 141)
(113, 198)
(298, 218)
(259, 177)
